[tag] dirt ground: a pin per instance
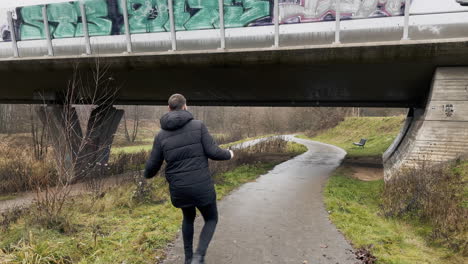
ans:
(367, 173)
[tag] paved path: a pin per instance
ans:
(280, 218)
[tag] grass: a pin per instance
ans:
(379, 131)
(355, 207)
(7, 197)
(132, 149)
(114, 228)
(147, 145)
(244, 140)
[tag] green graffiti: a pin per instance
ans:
(206, 17)
(144, 16)
(142, 13)
(96, 13)
(66, 17)
(180, 16)
(33, 25)
(162, 11)
(240, 16)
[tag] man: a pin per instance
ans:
(186, 145)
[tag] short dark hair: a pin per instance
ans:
(177, 101)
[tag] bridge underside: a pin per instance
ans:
(390, 74)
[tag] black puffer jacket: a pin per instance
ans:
(185, 145)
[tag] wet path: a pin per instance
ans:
(280, 218)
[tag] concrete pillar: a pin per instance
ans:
(102, 126)
(77, 154)
(438, 133)
(65, 134)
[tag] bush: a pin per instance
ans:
(124, 162)
(437, 195)
(20, 172)
(272, 150)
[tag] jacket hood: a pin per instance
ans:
(175, 119)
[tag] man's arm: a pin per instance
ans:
(211, 149)
(155, 161)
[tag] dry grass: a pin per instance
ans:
(19, 171)
(436, 195)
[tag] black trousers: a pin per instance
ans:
(210, 215)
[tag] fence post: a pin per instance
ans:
(406, 23)
(337, 22)
(84, 20)
(171, 21)
(127, 26)
(276, 16)
(222, 33)
(50, 48)
(14, 44)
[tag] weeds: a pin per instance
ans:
(31, 251)
(435, 194)
(11, 216)
(20, 172)
(355, 207)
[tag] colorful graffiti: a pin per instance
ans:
(105, 17)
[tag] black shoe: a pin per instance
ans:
(198, 259)
(188, 261)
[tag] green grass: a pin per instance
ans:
(244, 140)
(7, 197)
(149, 145)
(354, 207)
(380, 132)
(132, 149)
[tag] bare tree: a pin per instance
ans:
(38, 135)
(77, 153)
(135, 118)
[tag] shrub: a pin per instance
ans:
(435, 194)
(20, 172)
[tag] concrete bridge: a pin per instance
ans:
(403, 59)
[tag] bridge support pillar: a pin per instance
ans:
(437, 133)
(78, 151)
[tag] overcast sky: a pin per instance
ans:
(436, 6)
(417, 6)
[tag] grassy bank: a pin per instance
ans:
(379, 131)
(132, 223)
(355, 208)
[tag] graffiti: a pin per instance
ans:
(97, 16)
(65, 20)
(300, 11)
(153, 16)
(105, 17)
(448, 110)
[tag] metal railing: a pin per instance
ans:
(173, 35)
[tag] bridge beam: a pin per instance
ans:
(438, 133)
(77, 152)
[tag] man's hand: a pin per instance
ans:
(232, 154)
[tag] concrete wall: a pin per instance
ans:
(437, 133)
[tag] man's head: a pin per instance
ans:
(177, 102)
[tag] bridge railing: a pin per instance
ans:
(129, 42)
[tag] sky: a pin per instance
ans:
(435, 6)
